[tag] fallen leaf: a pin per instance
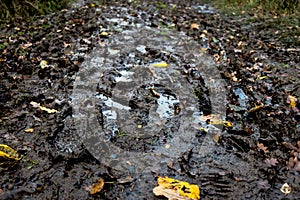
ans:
(104, 33)
(293, 164)
(29, 130)
(171, 188)
(44, 64)
(222, 122)
(285, 189)
(271, 162)
(168, 193)
(209, 117)
(7, 152)
(292, 101)
(194, 26)
(256, 108)
(48, 110)
(97, 187)
(160, 64)
(216, 138)
(215, 119)
(25, 46)
(263, 185)
(34, 104)
(262, 147)
(290, 146)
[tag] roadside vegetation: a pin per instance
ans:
(16, 9)
(277, 18)
(275, 7)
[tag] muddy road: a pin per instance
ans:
(130, 91)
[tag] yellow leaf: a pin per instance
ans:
(48, 110)
(292, 101)
(29, 130)
(97, 187)
(34, 104)
(215, 119)
(9, 153)
(104, 33)
(184, 189)
(222, 122)
(160, 64)
(43, 64)
(37, 105)
(168, 193)
(261, 77)
(256, 108)
(194, 26)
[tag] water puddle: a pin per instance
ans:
(138, 97)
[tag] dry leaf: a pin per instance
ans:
(293, 164)
(175, 187)
(222, 122)
(209, 117)
(97, 187)
(262, 147)
(271, 162)
(256, 108)
(263, 185)
(215, 119)
(104, 33)
(194, 26)
(290, 146)
(216, 138)
(168, 193)
(48, 110)
(29, 130)
(292, 101)
(44, 64)
(160, 64)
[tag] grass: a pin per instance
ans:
(265, 7)
(26, 9)
(273, 16)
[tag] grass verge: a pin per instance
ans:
(26, 9)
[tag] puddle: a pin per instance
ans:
(138, 98)
(205, 9)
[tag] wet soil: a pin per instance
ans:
(251, 159)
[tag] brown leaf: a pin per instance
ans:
(97, 187)
(29, 130)
(262, 147)
(271, 162)
(293, 164)
(263, 185)
(292, 101)
(289, 146)
(194, 26)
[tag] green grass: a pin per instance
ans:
(275, 7)
(26, 9)
(272, 16)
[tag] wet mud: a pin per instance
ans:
(223, 115)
